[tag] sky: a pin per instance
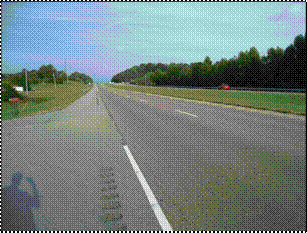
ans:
(102, 39)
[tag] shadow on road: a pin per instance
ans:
(17, 205)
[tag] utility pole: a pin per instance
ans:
(65, 70)
(54, 80)
(26, 82)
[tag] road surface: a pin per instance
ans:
(82, 173)
(213, 166)
(208, 166)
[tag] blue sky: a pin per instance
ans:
(104, 38)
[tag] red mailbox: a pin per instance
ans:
(14, 104)
(14, 100)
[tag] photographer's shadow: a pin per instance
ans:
(17, 205)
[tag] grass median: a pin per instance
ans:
(279, 102)
(46, 98)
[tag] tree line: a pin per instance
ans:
(44, 74)
(278, 69)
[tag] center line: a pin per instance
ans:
(187, 113)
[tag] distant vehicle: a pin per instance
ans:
(224, 87)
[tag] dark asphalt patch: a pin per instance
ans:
(112, 218)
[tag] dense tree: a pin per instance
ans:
(289, 70)
(185, 75)
(220, 72)
(232, 69)
(242, 66)
(279, 68)
(206, 72)
(196, 76)
(275, 59)
(147, 79)
(43, 74)
(162, 67)
(18, 79)
(253, 72)
(137, 72)
(76, 76)
(173, 73)
(158, 77)
(46, 73)
(300, 51)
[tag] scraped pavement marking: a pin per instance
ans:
(151, 198)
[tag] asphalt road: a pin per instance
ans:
(82, 174)
(209, 166)
(212, 166)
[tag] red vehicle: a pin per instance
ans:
(224, 87)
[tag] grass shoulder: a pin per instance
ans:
(279, 102)
(45, 98)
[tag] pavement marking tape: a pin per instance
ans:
(187, 113)
(151, 198)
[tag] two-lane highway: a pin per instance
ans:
(212, 166)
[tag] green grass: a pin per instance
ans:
(45, 99)
(279, 102)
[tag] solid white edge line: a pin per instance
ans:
(187, 113)
(151, 198)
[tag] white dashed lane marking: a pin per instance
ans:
(187, 113)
